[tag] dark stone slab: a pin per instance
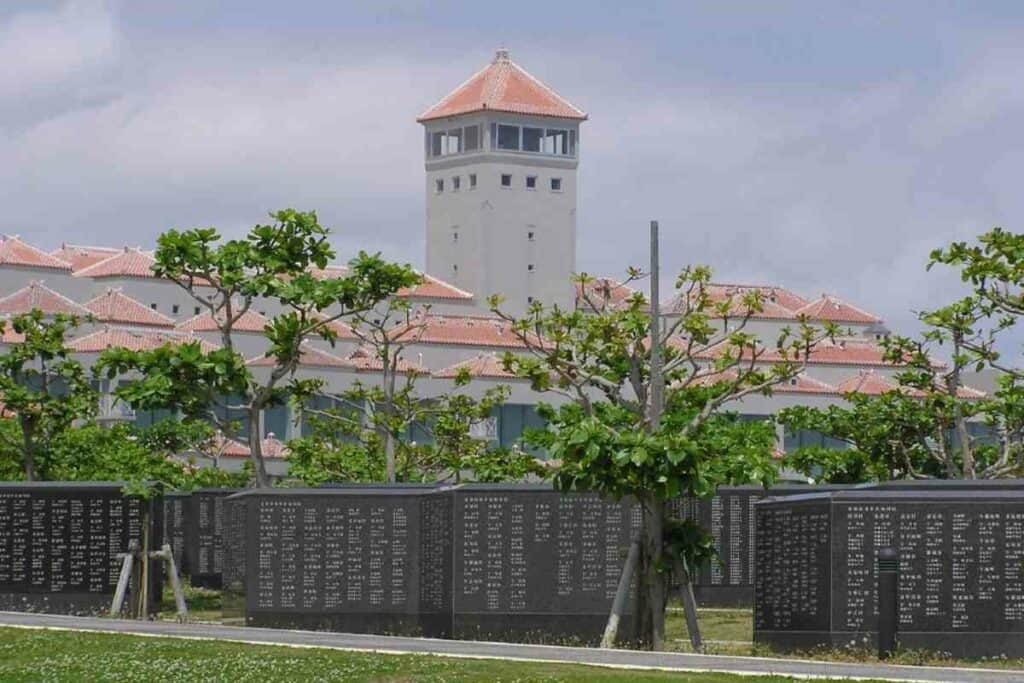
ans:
(204, 548)
(961, 585)
(729, 518)
(358, 559)
(521, 563)
(59, 544)
(176, 516)
(535, 565)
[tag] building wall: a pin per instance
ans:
(493, 248)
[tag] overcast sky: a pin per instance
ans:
(826, 150)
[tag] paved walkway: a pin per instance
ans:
(535, 653)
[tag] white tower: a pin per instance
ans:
(501, 156)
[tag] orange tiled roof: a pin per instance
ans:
(833, 309)
(503, 86)
(114, 306)
(37, 295)
(430, 288)
(133, 340)
(802, 384)
(16, 252)
(129, 262)
(82, 256)
(365, 360)
(434, 288)
(251, 321)
(869, 383)
(309, 356)
(9, 336)
(777, 303)
(602, 289)
(271, 447)
(465, 330)
(486, 365)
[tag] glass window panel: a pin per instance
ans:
(436, 141)
(275, 421)
(508, 137)
(454, 145)
(471, 138)
(572, 143)
(494, 136)
(556, 142)
(532, 139)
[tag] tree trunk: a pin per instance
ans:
(389, 457)
(30, 452)
(259, 468)
(651, 584)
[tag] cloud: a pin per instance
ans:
(44, 49)
(842, 187)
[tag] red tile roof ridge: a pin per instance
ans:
(816, 309)
(481, 365)
(114, 306)
(250, 321)
(82, 256)
(15, 251)
(125, 263)
(113, 336)
(495, 77)
(309, 356)
(450, 291)
(804, 384)
(35, 295)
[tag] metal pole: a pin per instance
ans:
(657, 388)
(888, 601)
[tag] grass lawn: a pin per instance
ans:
(35, 655)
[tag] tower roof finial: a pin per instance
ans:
(501, 55)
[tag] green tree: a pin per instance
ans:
(597, 358)
(44, 388)
(226, 278)
(349, 443)
(887, 437)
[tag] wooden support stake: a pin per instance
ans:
(690, 608)
(179, 595)
(127, 567)
(611, 630)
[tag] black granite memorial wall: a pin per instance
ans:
(204, 554)
(59, 544)
(532, 564)
(360, 559)
(961, 580)
(729, 518)
(176, 515)
(521, 563)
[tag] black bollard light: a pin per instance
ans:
(888, 601)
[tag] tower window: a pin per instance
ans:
(472, 181)
(529, 299)
(506, 180)
(455, 267)
(439, 185)
(531, 182)
(529, 235)
(529, 267)
(471, 138)
(556, 184)
(456, 183)
(508, 137)
(174, 309)
(153, 306)
(196, 310)
(532, 138)
(556, 142)
(455, 236)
